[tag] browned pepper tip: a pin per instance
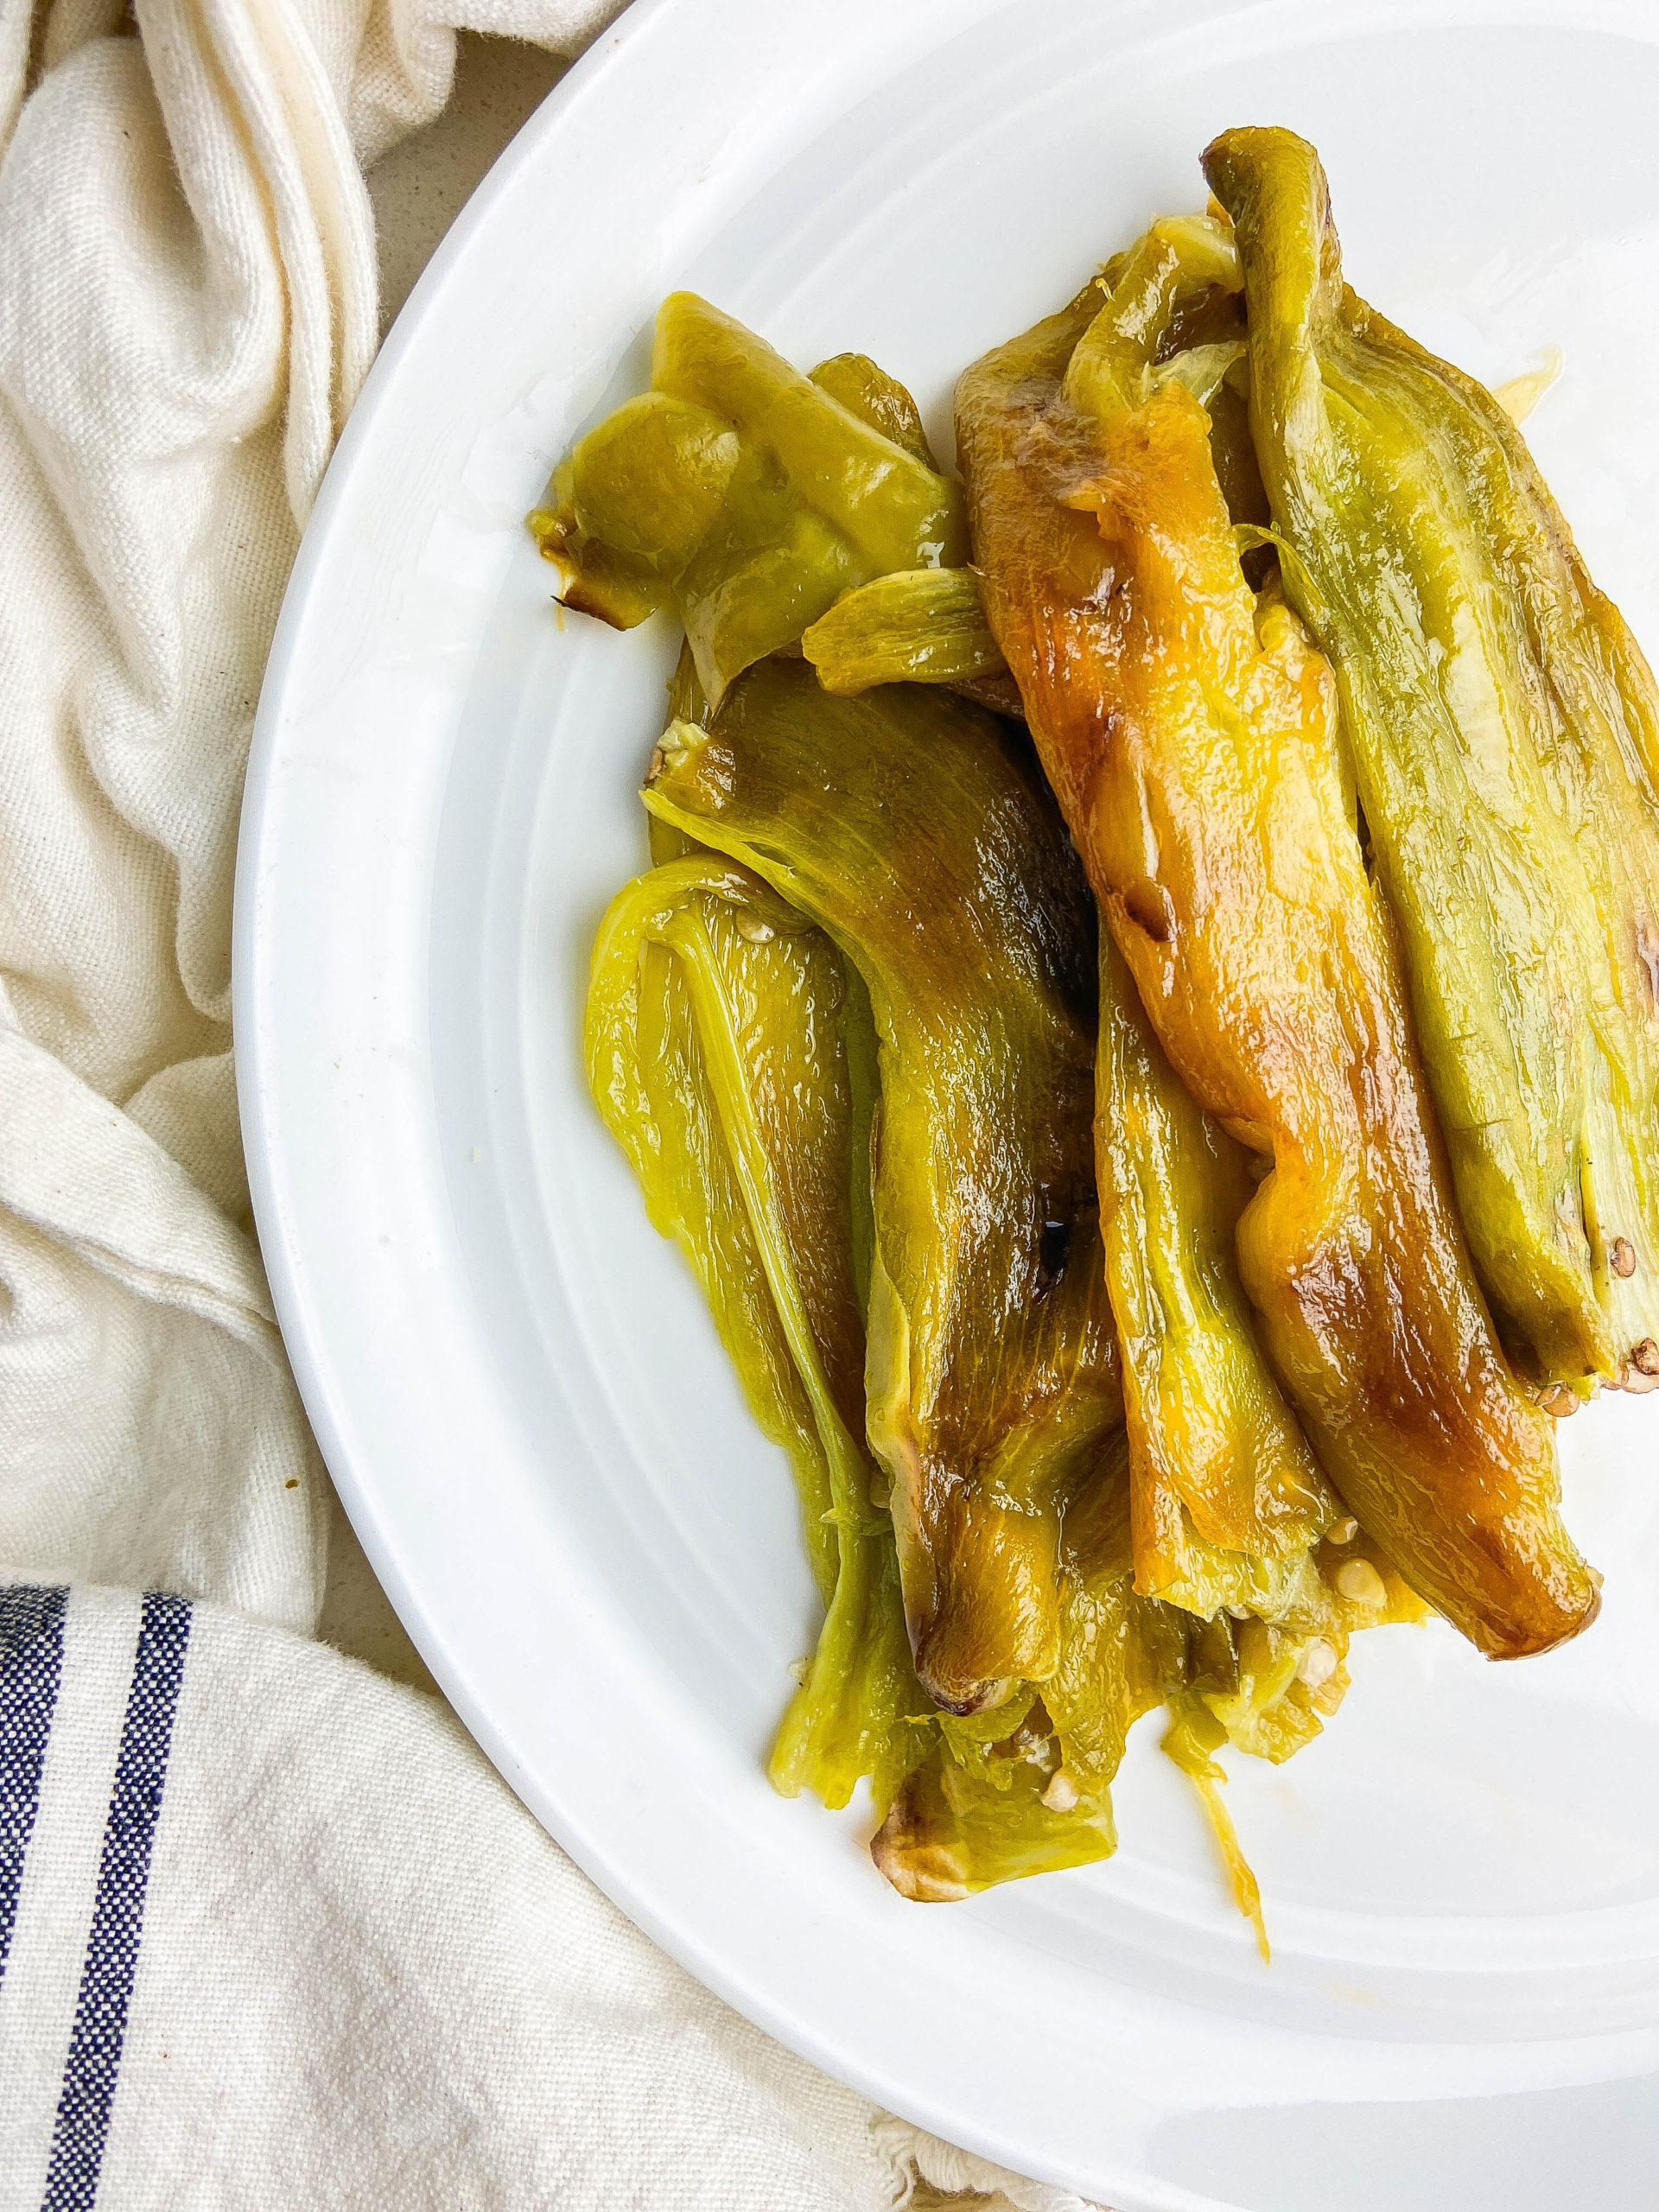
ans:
(919, 1865)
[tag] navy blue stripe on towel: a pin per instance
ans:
(31, 1663)
(95, 2041)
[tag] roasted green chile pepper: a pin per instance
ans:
(918, 626)
(912, 828)
(1189, 729)
(865, 389)
(953, 1831)
(1025, 1789)
(1229, 1500)
(731, 1054)
(745, 495)
(1234, 1520)
(1504, 730)
(686, 704)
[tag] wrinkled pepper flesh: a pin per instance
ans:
(732, 1057)
(1228, 1501)
(1144, 1310)
(745, 495)
(732, 1053)
(918, 626)
(1505, 732)
(911, 827)
(1189, 729)
(1025, 1790)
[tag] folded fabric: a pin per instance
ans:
(273, 1933)
(189, 286)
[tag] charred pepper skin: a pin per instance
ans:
(1502, 722)
(1190, 732)
(912, 828)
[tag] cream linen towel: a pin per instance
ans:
(271, 1931)
(281, 1939)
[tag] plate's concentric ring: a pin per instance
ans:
(513, 1381)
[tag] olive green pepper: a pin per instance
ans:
(912, 827)
(745, 495)
(1503, 725)
(732, 1056)
(1025, 1789)
(866, 390)
(953, 1831)
(1189, 727)
(918, 626)
(686, 704)
(1229, 1498)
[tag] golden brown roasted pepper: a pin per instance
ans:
(1190, 730)
(912, 828)
(1504, 730)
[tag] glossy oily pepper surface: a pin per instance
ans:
(1228, 1501)
(1189, 727)
(1025, 1790)
(917, 626)
(912, 827)
(731, 1055)
(745, 495)
(1502, 722)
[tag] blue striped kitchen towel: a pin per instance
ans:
(32, 1634)
(273, 1933)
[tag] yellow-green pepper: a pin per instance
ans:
(911, 826)
(917, 626)
(1504, 733)
(745, 495)
(1189, 729)
(731, 1054)
(1025, 1789)
(1229, 1500)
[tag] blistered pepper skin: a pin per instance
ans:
(1502, 722)
(908, 825)
(1190, 732)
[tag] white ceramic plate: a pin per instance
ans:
(515, 1384)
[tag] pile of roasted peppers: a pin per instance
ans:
(1142, 1019)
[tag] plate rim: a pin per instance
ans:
(257, 1078)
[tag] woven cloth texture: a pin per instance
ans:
(272, 1932)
